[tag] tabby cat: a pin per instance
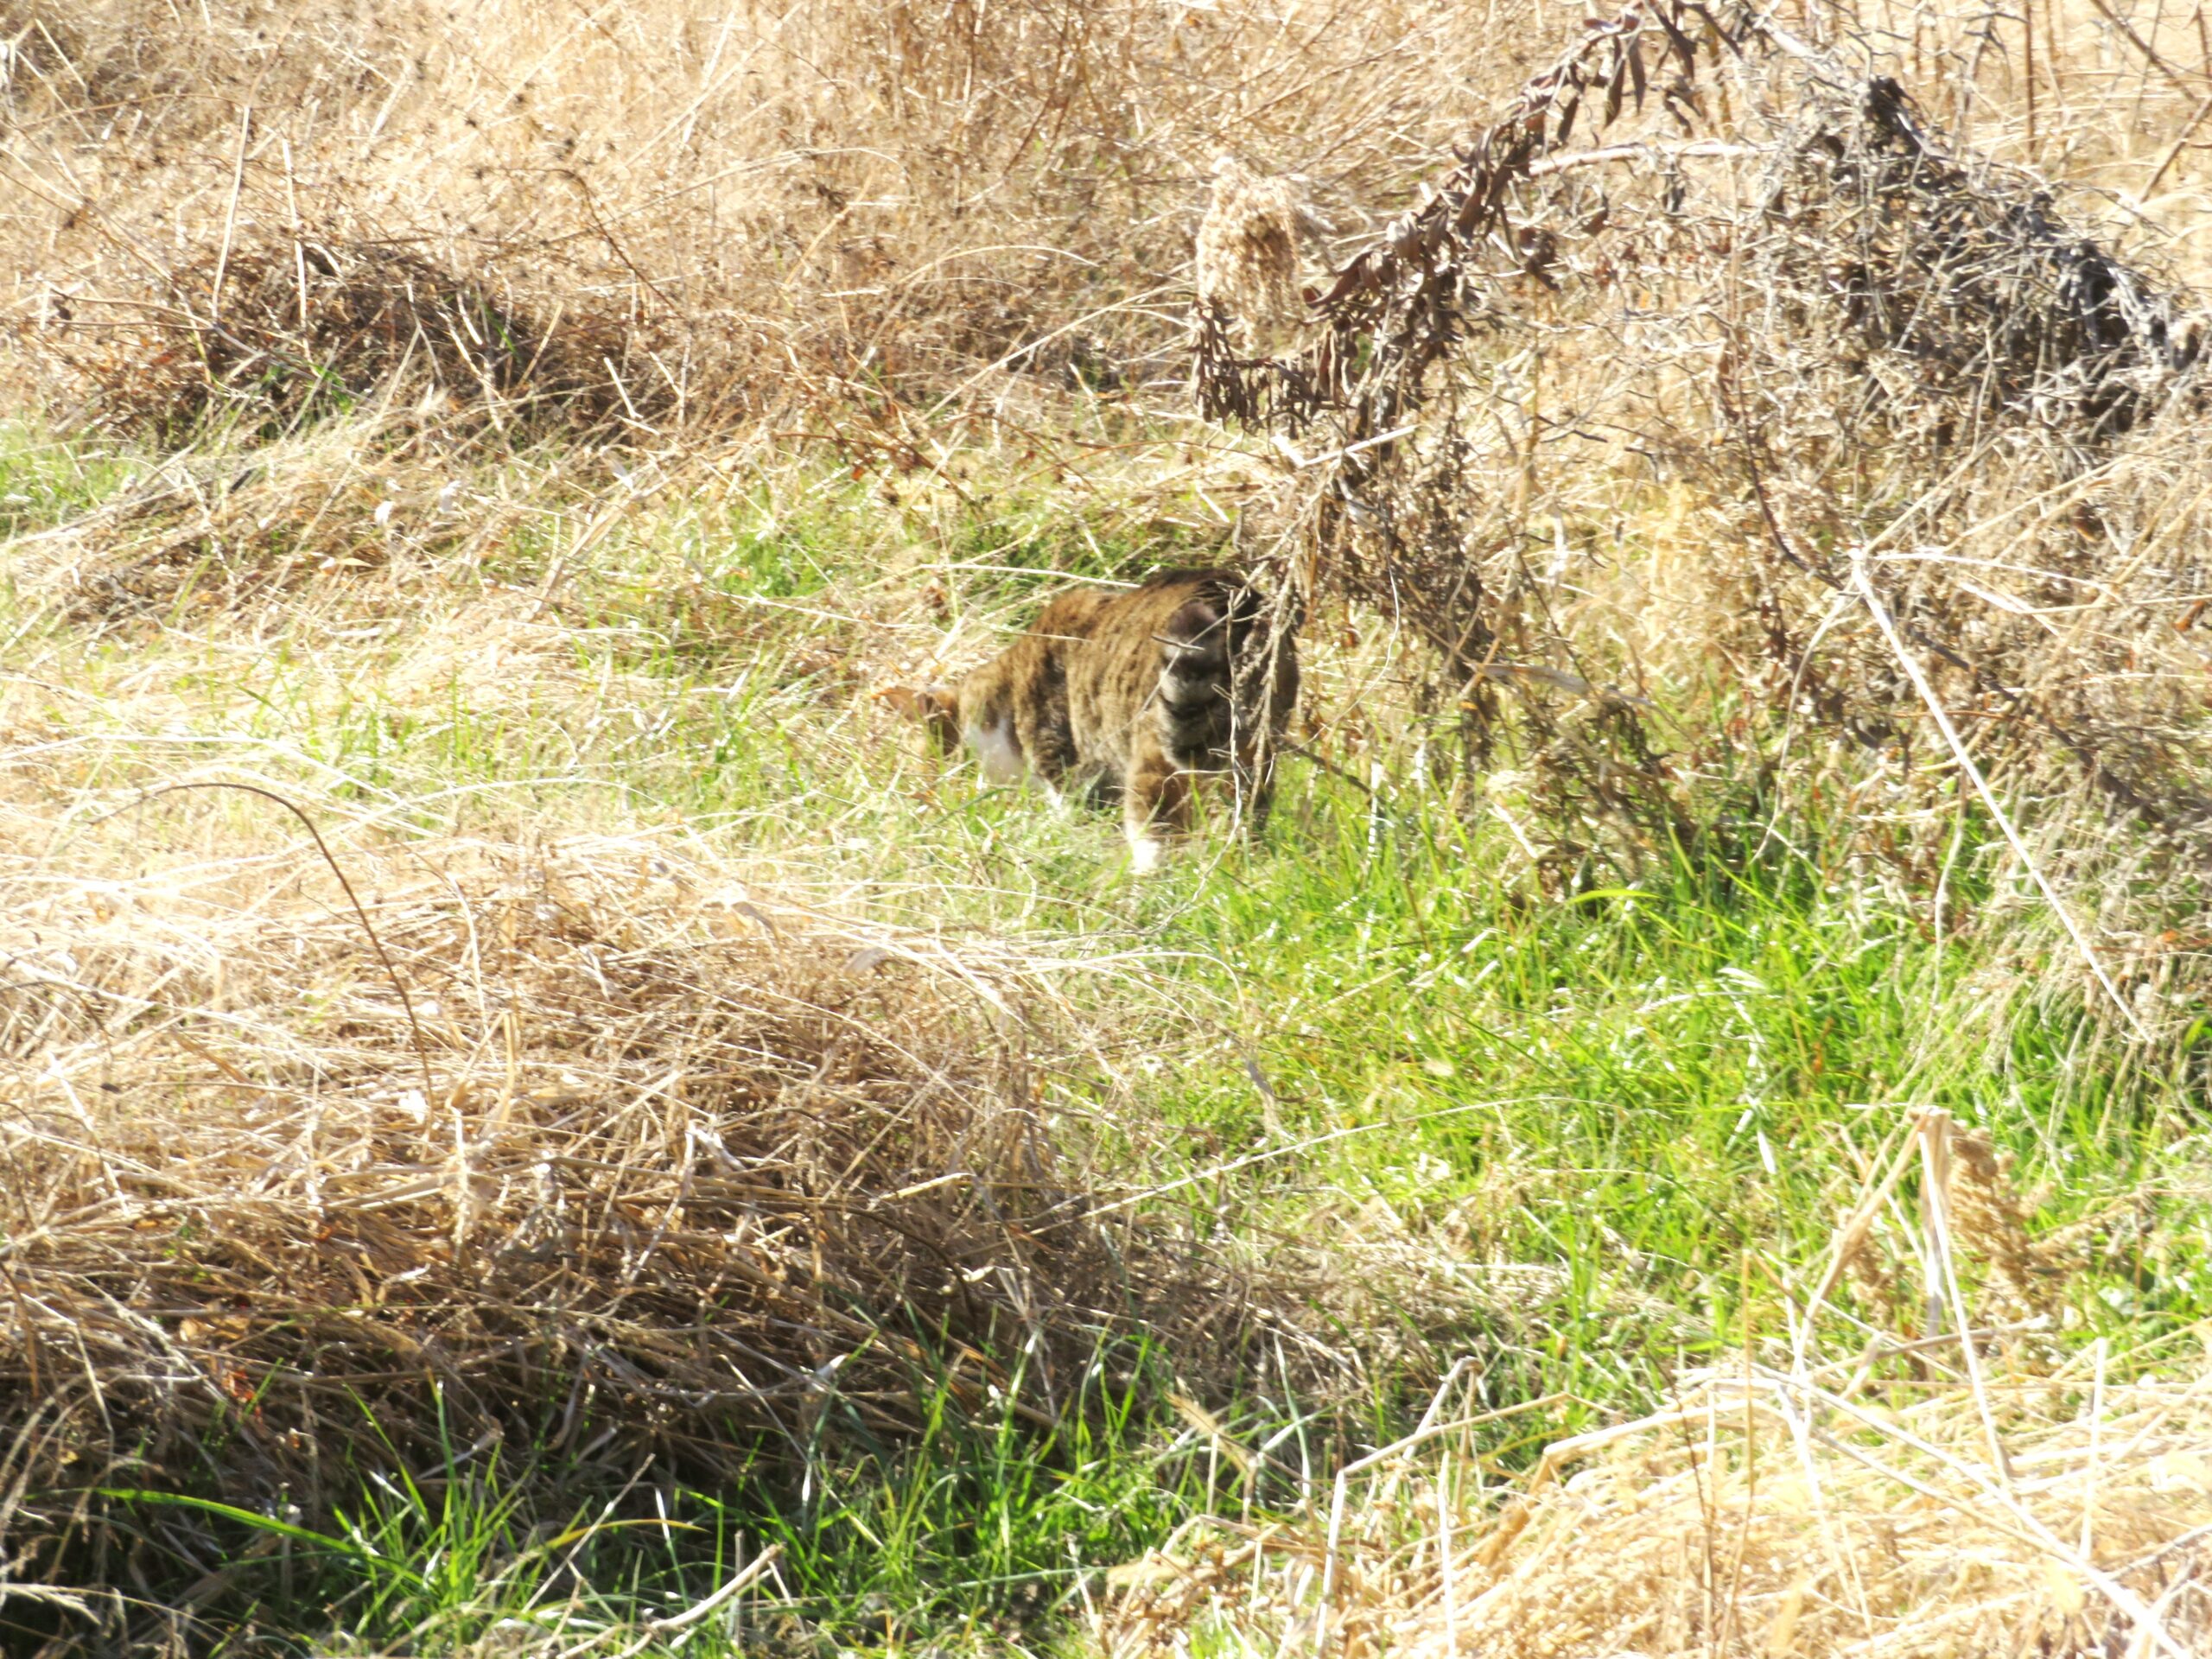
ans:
(1131, 693)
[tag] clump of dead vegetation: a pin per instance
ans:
(270, 336)
(1930, 1495)
(590, 1151)
(1730, 436)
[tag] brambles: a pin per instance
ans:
(1847, 354)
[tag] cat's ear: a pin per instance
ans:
(936, 708)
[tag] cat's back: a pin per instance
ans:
(1035, 667)
(1073, 615)
(1158, 660)
(1127, 628)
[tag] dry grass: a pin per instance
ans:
(1762, 1514)
(586, 1145)
(643, 226)
(653, 217)
(1918, 1497)
(1723, 500)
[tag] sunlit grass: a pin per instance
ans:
(1622, 1116)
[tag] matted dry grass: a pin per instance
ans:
(1763, 1515)
(588, 1146)
(1917, 1498)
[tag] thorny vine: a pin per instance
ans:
(1843, 340)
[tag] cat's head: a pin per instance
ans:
(1194, 653)
(936, 708)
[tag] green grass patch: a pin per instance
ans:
(46, 480)
(1646, 1108)
(984, 1529)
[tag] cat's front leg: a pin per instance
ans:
(1155, 807)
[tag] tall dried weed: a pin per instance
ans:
(656, 217)
(1736, 440)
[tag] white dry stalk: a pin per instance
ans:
(1850, 1236)
(2096, 1436)
(1966, 764)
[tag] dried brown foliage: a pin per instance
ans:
(1713, 377)
(594, 1152)
(685, 218)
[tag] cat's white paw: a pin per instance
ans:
(1144, 855)
(999, 752)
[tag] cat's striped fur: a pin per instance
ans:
(1135, 693)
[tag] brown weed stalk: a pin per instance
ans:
(1702, 272)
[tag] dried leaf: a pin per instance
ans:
(1683, 50)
